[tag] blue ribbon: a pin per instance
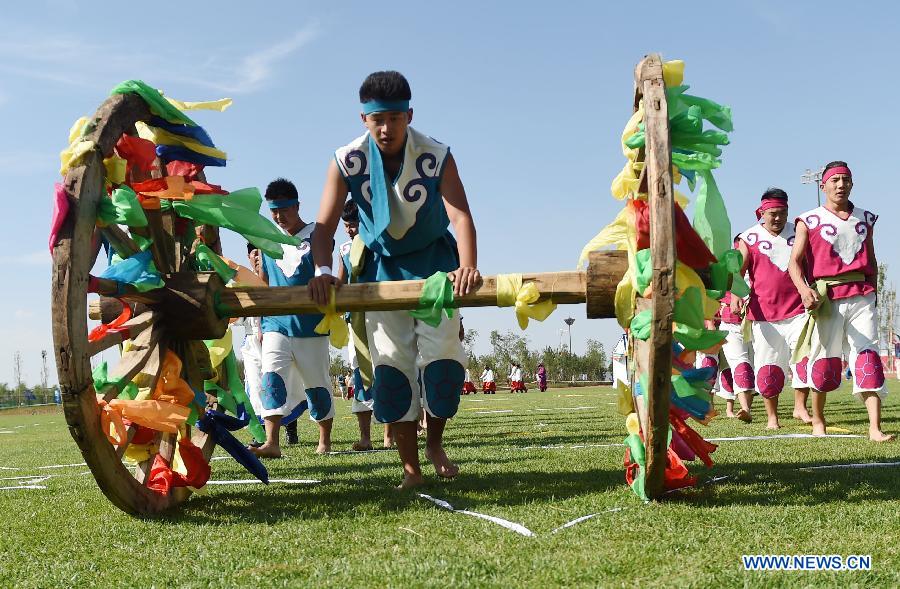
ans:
(219, 426)
(374, 106)
(282, 203)
(381, 208)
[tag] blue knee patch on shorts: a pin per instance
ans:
(319, 402)
(443, 383)
(273, 394)
(392, 393)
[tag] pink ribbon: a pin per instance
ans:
(60, 212)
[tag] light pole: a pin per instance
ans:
(810, 177)
(569, 322)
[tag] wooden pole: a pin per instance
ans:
(658, 160)
(596, 287)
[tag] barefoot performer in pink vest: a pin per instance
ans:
(774, 307)
(834, 269)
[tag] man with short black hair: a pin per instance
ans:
(774, 307)
(408, 191)
(834, 249)
(294, 357)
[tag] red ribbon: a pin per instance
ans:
(115, 326)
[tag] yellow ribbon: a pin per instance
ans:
(163, 137)
(333, 324)
(525, 298)
(115, 169)
(219, 349)
(804, 342)
(673, 72)
(78, 147)
(357, 256)
(219, 105)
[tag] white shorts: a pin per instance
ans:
(292, 366)
(737, 377)
(851, 329)
(773, 344)
(402, 346)
(251, 353)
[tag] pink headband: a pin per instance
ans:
(770, 203)
(836, 170)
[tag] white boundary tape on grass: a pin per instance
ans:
(494, 411)
(23, 487)
(578, 520)
(62, 465)
(855, 465)
(513, 526)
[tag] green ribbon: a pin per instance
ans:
(638, 456)
(804, 344)
(711, 217)
(729, 265)
(155, 100)
(238, 211)
(209, 260)
(689, 323)
(100, 375)
(436, 298)
(236, 386)
(122, 206)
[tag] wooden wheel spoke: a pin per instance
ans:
(132, 327)
(145, 355)
(120, 241)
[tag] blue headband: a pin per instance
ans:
(282, 203)
(374, 106)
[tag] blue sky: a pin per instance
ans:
(531, 97)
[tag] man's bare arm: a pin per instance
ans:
(809, 296)
(334, 194)
(466, 278)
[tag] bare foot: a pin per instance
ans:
(804, 417)
(411, 481)
(730, 414)
(773, 425)
(266, 451)
(818, 430)
(744, 416)
(323, 448)
(880, 436)
(361, 446)
(442, 465)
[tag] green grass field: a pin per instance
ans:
(354, 530)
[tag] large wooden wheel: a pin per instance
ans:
(150, 330)
(195, 305)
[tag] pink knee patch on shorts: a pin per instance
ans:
(743, 376)
(725, 381)
(770, 380)
(826, 374)
(801, 369)
(869, 372)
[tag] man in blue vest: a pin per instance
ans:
(408, 191)
(294, 357)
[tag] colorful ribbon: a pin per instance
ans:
(60, 212)
(333, 323)
(114, 326)
(436, 298)
(123, 207)
(525, 297)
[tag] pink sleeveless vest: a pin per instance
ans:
(838, 246)
(773, 296)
